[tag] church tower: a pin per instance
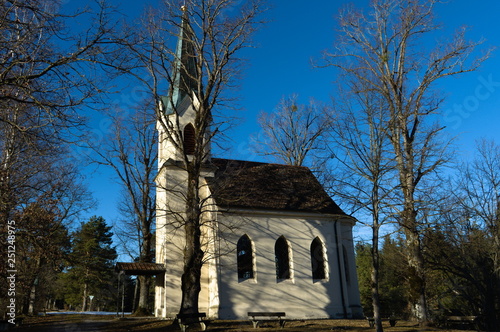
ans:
(176, 128)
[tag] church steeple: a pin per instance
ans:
(184, 68)
(178, 135)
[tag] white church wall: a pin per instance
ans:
(170, 244)
(167, 148)
(300, 297)
(169, 295)
(352, 282)
(160, 233)
(170, 239)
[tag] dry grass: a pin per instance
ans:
(85, 323)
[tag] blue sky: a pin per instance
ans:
(299, 31)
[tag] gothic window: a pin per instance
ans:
(318, 264)
(189, 139)
(282, 258)
(245, 258)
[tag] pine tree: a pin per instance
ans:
(92, 260)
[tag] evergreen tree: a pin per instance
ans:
(393, 283)
(363, 263)
(91, 260)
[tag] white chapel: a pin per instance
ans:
(273, 239)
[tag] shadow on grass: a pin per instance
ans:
(86, 323)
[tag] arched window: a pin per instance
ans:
(245, 258)
(189, 139)
(282, 258)
(318, 264)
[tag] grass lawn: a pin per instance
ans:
(86, 323)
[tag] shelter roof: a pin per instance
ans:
(140, 268)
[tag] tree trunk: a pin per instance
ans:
(375, 279)
(193, 260)
(417, 272)
(32, 293)
(191, 285)
(32, 297)
(404, 152)
(144, 283)
(193, 254)
(84, 300)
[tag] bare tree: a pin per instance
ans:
(460, 253)
(479, 199)
(131, 151)
(200, 72)
(384, 51)
(41, 192)
(293, 131)
(47, 66)
(361, 149)
(364, 170)
(480, 184)
(45, 75)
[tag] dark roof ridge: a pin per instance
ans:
(260, 162)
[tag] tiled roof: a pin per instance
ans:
(140, 268)
(245, 184)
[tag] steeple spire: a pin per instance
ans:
(184, 69)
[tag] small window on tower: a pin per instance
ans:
(189, 139)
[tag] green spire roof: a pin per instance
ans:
(184, 69)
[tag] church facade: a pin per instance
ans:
(273, 239)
